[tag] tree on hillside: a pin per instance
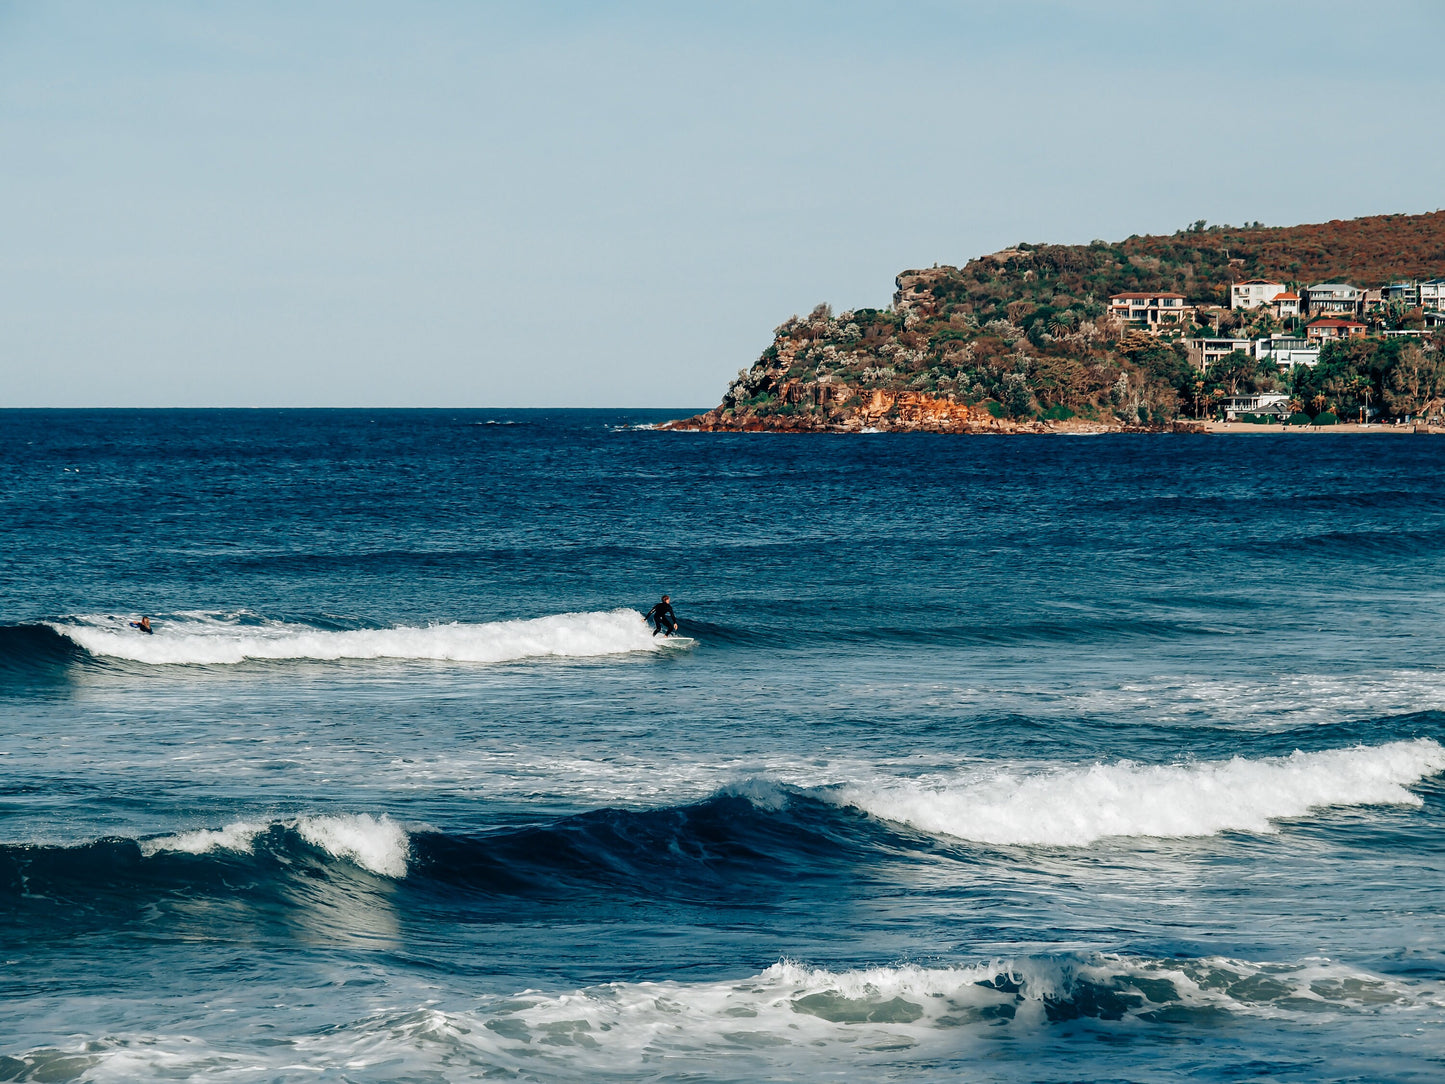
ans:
(1416, 380)
(1235, 372)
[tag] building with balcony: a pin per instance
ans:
(1333, 298)
(1205, 352)
(1287, 351)
(1402, 293)
(1286, 305)
(1254, 293)
(1265, 403)
(1318, 331)
(1150, 310)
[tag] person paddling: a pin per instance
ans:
(662, 617)
(144, 624)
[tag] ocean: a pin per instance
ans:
(994, 759)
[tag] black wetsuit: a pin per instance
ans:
(662, 618)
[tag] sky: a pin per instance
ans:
(559, 204)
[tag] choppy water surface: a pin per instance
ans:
(992, 759)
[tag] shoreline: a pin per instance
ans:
(1067, 429)
(1339, 427)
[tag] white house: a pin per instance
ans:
(1254, 293)
(1286, 304)
(1263, 403)
(1432, 295)
(1287, 351)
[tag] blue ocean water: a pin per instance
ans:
(1107, 758)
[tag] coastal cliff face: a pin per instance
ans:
(1023, 341)
(836, 408)
(915, 367)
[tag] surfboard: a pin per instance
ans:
(676, 641)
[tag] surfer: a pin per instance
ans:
(144, 624)
(662, 618)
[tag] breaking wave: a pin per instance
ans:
(201, 639)
(745, 840)
(377, 844)
(1075, 806)
(243, 857)
(793, 1021)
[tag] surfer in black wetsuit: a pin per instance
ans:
(662, 618)
(144, 624)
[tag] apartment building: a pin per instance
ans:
(1329, 298)
(1254, 293)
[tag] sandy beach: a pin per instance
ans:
(1341, 427)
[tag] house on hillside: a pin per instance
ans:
(1151, 310)
(1329, 298)
(1319, 331)
(1205, 352)
(1285, 305)
(1402, 293)
(1270, 403)
(1431, 295)
(1287, 351)
(1254, 293)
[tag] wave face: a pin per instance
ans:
(757, 837)
(200, 639)
(1073, 807)
(119, 875)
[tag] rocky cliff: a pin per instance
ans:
(1022, 340)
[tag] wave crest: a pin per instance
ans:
(199, 639)
(377, 844)
(1078, 806)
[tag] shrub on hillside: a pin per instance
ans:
(1327, 418)
(1299, 417)
(1057, 413)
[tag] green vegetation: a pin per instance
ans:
(1026, 334)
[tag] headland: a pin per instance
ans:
(1302, 327)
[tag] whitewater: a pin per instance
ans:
(1015, 760)
(202, 639)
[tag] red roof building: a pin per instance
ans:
(1286, 304)
(1321, 330)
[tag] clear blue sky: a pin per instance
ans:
(577, 204)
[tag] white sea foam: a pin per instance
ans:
(791, 1020)
(239, 837)
(377, 844)
(204, 639)
(1075, 806)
